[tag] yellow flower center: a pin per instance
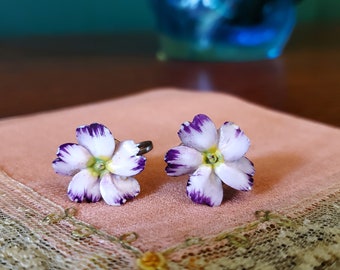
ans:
(213, 156)
(97, 166)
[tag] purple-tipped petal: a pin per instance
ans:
(200, 134)
(84, 186)
(125, 161)
(182, 160)
(233, 143)
(117, 190)
(235, 175)
(97, 139)
(204, 187)
(244, 165)
(71, 158)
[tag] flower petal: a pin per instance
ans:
(182, 160)
(116, 190)
(84, 186)
(233, 143)
(234, 175)
(244, 165)
(97, 139)
(205, 187)
(200, 134)
(125, 161)
(71, 158)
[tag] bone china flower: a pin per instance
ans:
(211, 157)
(101, 166)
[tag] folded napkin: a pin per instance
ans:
(296, 162)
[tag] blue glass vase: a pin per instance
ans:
(229, 30)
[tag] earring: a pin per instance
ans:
(211, 157)
(101, 166)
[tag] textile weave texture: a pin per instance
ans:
(38, 234)
(290, 220)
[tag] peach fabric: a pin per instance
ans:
(294, 159)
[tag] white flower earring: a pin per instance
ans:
(101, 167)
(211, 157)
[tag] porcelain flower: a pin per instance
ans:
(211, 157)
(101, 166)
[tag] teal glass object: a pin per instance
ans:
(229, 30)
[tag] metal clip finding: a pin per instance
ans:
(144, 147)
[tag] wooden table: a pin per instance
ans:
(39, 74)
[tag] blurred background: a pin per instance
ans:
(60, 53)
(26, 18)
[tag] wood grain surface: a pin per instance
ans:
(41, 74)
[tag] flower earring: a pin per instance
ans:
(211, 157)
(101, 167)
